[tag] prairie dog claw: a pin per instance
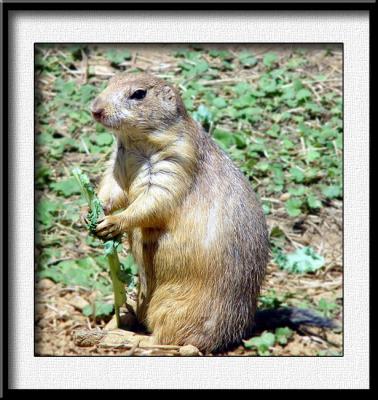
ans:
(109, 227)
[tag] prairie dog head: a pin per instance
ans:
(137, 103)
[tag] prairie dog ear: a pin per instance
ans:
(168, 94)
(172, 100)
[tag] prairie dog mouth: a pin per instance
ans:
(102, 118)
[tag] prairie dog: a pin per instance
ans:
(195, 227)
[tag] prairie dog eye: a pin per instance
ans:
(138, 94)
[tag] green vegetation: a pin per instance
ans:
(278, 114)
(301, 261)
(110, 247)
(264, 343)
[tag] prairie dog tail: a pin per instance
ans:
(291, 317)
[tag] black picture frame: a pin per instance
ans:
(9, 8)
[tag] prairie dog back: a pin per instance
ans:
(196, 229)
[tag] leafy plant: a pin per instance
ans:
(283, 335)
(263, 343)
(45, 212)
(270, 59)
(327, 308)
(67, 187)
(271, 299)
(247, 59)
(301, 261)
(278, 119)
(116, 56)
(110, 246)
(98, 309)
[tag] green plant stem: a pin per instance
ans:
(118, 287)
(110, 247)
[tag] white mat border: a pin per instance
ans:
(350, 371)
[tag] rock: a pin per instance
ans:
(285, 196)
(189, 351)
(40, 310)
(43, 323)
(78, 302)
(45, 284)
(85, 337)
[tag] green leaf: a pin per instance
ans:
(301, 261)
(223, 54)
(110, 247)
(332, 192)
(267, 84)
(240, 140)
(201, 67)
(297, 174)
(271, 300)
(129, 270)
(242, 88)
(101, 309)
(104, 139)
(198, 68)
(288, 93)
(69, 272)
(42, 175)
(66, 187)
(247, 59)
(261, 343)
(203, 115)
(312, 155)
(313, 202)
(45, 211)
(262, 166)
(116, 56)
(224, 138)
(314, 108)
(283, 335)
(327, 307)
(266, 208)
(299, 190)
(270, 59)
(293, 207)
(220, 102)
(303, 94)
(277, 232)
(273, 131)
(244, 101)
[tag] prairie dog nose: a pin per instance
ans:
(97, 114)
(97, 110)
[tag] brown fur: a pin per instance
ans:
(196, 229)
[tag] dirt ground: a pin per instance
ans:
(58, 309)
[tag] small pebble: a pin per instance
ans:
(45, 284)
(85, 337)
(285, 196)
(78, 302)
(189, 350)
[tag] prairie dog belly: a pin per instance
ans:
(179, 270)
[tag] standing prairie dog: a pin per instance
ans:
(195, 227)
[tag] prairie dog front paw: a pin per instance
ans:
(109, 227)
